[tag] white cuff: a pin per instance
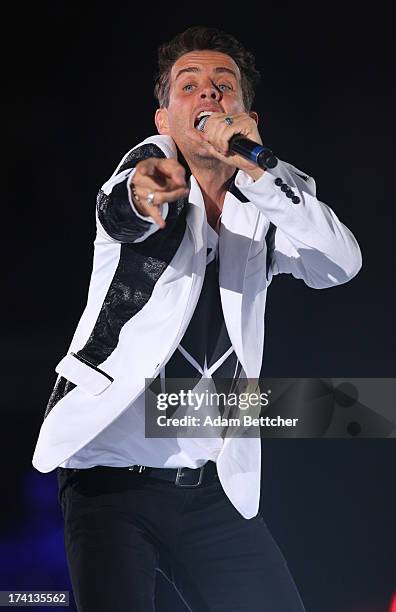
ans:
(243, 180)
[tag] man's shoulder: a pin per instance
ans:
(153, 146)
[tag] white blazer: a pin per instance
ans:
(310, 243)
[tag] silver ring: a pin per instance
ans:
(228, 120)
(150, 198)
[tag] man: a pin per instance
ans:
(188, 239)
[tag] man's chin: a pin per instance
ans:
(199, 155)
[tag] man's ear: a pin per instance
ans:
(254, 116)
(161, 120)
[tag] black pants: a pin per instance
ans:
(121, 526)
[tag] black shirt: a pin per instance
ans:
(206, 336)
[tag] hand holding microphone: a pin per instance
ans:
(236, 141)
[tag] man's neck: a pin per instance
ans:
(214, 183)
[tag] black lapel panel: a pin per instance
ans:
(139, 269)
(270, 240)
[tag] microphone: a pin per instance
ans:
(257, 153)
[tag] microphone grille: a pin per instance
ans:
(202, 123)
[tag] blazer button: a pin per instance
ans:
(290, 193)
(285, 187)
(278, 182)
(296, 200)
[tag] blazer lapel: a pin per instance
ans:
(238, 223)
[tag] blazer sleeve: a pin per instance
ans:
(117, 217)
(308, 240)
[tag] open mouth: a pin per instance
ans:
(201, 116)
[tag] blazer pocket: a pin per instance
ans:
(84, 374)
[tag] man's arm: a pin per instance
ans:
(121, 215)
(310, 242)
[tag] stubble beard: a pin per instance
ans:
(204, 160)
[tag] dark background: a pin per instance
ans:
(78, 97)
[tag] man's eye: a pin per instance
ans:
(223, 85)
(188, 87)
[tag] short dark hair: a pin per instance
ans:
(199, 38)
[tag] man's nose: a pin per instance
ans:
(211, 91)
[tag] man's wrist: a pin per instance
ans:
(135, 206)
(136, 200)
(255, 173)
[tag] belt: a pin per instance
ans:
(180, 477)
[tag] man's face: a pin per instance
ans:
(199, 80)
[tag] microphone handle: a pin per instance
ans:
(260, 155)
